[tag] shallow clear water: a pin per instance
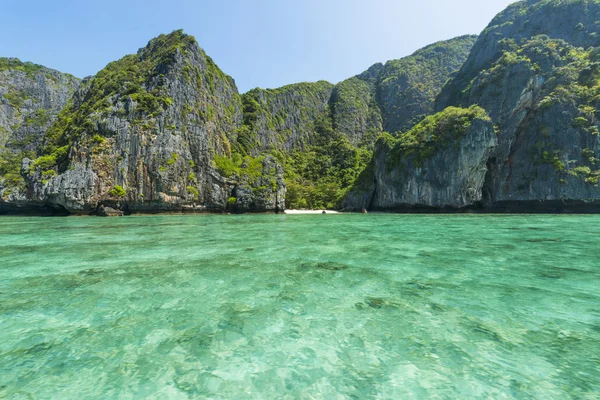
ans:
(267, 306)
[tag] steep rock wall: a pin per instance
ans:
(534, 69)
(142, 135)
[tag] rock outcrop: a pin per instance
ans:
(535, 70)
(144, 135)
(324, 134)
(407, 88)
(265, 191)
(385, 97)
(281, 119)
(507, 121)
(31, 96)
(109, 212)
(392, 97)
(355, 110)
(438, 164)
(166, 130)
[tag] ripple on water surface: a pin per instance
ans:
(265, 306)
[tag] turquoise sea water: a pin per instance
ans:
(314, 307)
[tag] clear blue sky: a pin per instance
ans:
(265, 43)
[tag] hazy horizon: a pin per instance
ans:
(265, 44)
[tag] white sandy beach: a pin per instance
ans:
(311, 212)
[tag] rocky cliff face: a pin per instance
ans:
(324, 134)
(574, 21)
(355, 109)
(263, 192)
(31, 97)
(166, 130)
(282, 119)
(407, 88)
(440, 163)
(385, 97)
(144, 134)
(396, 95)
(516, 128)
(534, 69)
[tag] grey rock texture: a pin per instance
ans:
(166, 130)
(360, 195)
(534, 70)
(154, 131)
(444, 169)
(452, 178)
(520, 22)
(283, 118)
(109, 212)
(30, 98)
(407, 88)
(72, 190)
(264, 193)
(394, 96)
(355, 110)
(150, 147)
(385, 97)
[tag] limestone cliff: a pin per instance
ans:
(324, 134)
(438, 164)
(396, 95)
(31, 97)
(385, 97)
(281, 119)
(535, 70)
(515, 128)
(407, 88)
(146, 134)
(354, 107)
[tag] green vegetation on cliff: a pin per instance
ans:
(31, 70)
(324, 134)
(238, 166)
(535, 70)
(274, 117)
(355, 111)
(118, 191)
(16, 98)
(571, 79)
(10, 169)
(395, 96)
(135, 76)
(318, 176)
(571, 21)
(433, 134)
(32, 96)
(408, 87)
(14, 64)
(576, 87)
